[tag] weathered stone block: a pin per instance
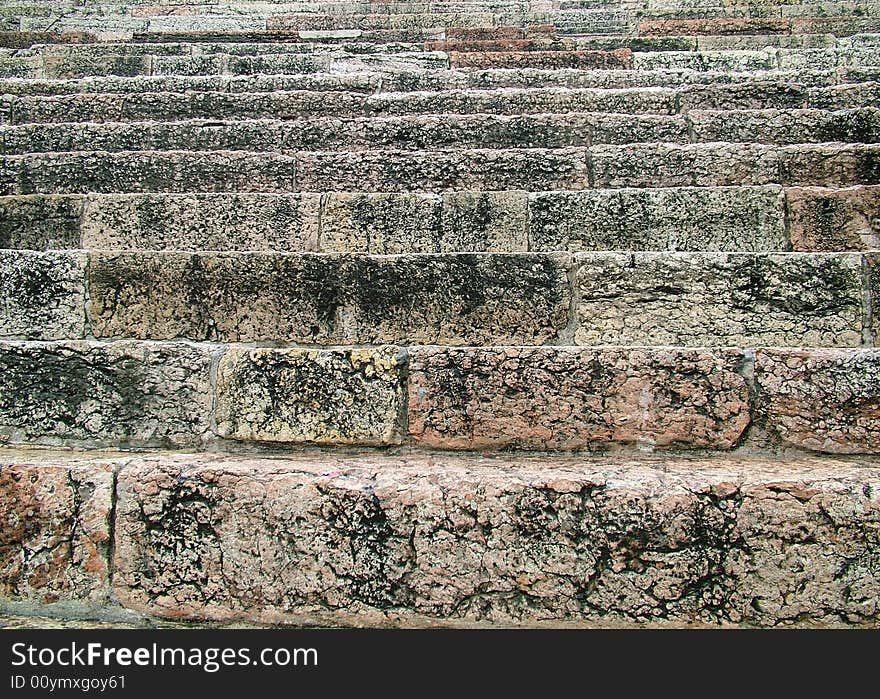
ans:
(381, 223)
(734, 61)
(417, 540)
(55, 539)
(873, 262)
(786, 127)
(568, 398)
(146, 171)
(652, 100)
(40, 222)
(828, 220)
(484, 221)
(121, 394)
(830, 165)
(823, 400)
(333, 396)
(676, 165)
(696, 299)
(581, 60)
(399, 171)
(43, 294)
(271, 222)
(681, 218)
(326, 299)
(715, 26)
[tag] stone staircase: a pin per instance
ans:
(478, 312)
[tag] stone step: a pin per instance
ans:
(443, 39)
(595, 298)
(174, 106)
(352, 539)
(371, 55)
(435, 80)
(694, 219)
(221, 64)
(159, 394)
(426, 540)
(445, 131)
(535, 169)
(839, 26)
(618, 58)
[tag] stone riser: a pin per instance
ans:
(217, 106)
(370, 82)
(335, 540)
(735, 219)
(440, 132)
(134, 394)
(601, 298)
(338, 59)
(598, 167)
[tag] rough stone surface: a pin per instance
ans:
(271, 222)
(569, 398)
(40, 223)
(43, 295)
(715, 26)
(146, 171)
(55, 539)
(93, 394)
(824, 400)
(402, 171)
(584, 60)
(682, 218)
(334, 396)
(327, 299)
(484, 221)
(836, 165)
(676, 165)
(415, 132)
(786, 126)
(697, 299)
(828, 220)
(873, 264)
(381, 223)
(504, 541)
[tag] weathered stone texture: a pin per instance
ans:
(824, 400)
(678, 165)
(411, 223)
(146, 171)
(484, 221)
(829, 220)
(837, 165)
(682, 218)
(502, 540)
(786, 126)
(653, 100)
(715, 26)
(282, 222)
(121, 394)
(330, 299)
(873, 264)
(567, 398)
(55, 538)
(40, 223)
(700, 299)
(43, 295)
(583, 60)
(401, 171)
(381, 223)
(333, 396)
